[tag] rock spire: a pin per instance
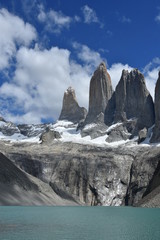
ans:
(156, 130)
(100, 92)
(132, 100)
(71, 110)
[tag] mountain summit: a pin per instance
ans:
(101, 164)
(131, 100)
(100, 92)
(71, 110)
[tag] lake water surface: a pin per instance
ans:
(79, 223)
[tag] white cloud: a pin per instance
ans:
(38, 85)
(125, 19)
(77, 18)
(14, 32)
(42, 76)
(115, 72)
(55, 21)
(157, 18)
(150, 72)
(151, 79)
(90, 15)
(88, 56)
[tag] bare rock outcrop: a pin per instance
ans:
(87, 174)
(132, 100)
(142, 135)
(156, 131)
(99, 94)
(20, 188)
(144, 176)
(49, 135)
(71, 110)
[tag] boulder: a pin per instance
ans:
(71, 111)
(49, 135)
(142, 135)
(117, 133)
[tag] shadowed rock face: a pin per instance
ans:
(144, 177)
(131, 100)
(100, 92)
(90, 175)
(156, 131)
(19, 188)
(87, 174)
(71, 111)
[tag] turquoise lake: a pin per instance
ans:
(79, 223)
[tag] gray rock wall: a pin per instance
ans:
(131, 100)
(156, 131)
(100, 92)
(71, 111)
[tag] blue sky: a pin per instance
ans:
(46, 46)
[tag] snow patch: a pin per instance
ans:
(113, 127)
(63, 123)
(89, 126)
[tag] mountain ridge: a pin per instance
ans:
(103, 157)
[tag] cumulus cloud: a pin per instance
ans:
(150, 72)
(42, 75)
(38, 85)
(14, 32)
(86, 55)
(125, 19)
(55, 21)
(151, 79)
(115, 72)
(90, 15)
(157, 18)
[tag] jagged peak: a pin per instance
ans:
(125, 73)
(71, 110)
(69, 90)
(102, 69)
(102, 65)
(135, 72)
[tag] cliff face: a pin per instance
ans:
(87, 174)
(131, 100)
(93, 166)
(19, 188)
(100, 92)
(156, 131)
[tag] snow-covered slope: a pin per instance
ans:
(11, 132)
(67, 130)
(69, 134)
